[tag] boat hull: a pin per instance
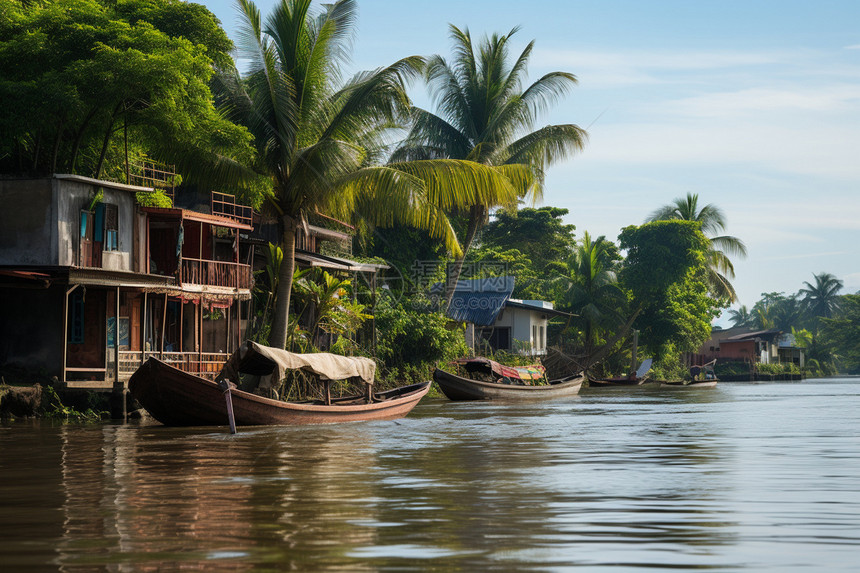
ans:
(459, 388)
(177, 398)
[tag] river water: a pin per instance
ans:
(743, 477)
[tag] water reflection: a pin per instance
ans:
(739, 478)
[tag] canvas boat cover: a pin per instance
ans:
(263, 361)
(533, 372)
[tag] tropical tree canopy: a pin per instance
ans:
(822, 298)
(485, 113)
(666, 273)
(593, 292)
(87, 83)
(841, 334)
(741, 317)
(721, 247)
(318, 139)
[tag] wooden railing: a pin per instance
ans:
(205, 364)
(150, 173)
(215, 273)
(225, 205)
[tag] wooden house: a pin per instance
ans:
(89, 290)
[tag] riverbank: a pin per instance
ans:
(46, 401)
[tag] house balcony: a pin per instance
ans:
(216, 273)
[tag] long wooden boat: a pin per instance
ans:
(460, 388)
(177, 398)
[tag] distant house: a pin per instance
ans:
(748, 345)
(501, 322)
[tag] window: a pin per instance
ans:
(498, 338)
(111, 228)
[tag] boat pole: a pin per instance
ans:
(226, 386)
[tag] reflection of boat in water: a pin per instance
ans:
(690, 384)
(638, 378)
(177, 398)
(489, 380)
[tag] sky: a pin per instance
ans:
(754, 105)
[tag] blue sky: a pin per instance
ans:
(754, 105)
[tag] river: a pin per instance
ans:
(743, 477)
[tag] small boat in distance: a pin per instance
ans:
(701, 376)
(488, 380)
(177, 398)
(638, 378)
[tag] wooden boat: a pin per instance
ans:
(636, 379)
(177, 398)
(510, 383)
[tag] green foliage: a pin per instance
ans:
(666, 274)
(669, 367)
(841, 334)
(539, 234)
(156, 199)
(52, 407)
(593, 293)
(822, 298)
(411, 341)
(720, 247)
(324, 300)
(82, 79)
(494, 262)
(724, 369)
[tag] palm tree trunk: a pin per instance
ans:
(477, 214)
(281, 318)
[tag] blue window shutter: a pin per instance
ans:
(99, 223)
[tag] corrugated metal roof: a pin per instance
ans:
(478, 301)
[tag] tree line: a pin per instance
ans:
(822, 320)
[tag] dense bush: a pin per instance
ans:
(412, 340)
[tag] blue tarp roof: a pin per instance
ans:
(478, 301)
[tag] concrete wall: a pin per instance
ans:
(520, 321)
(40, 222)
(28, 223)
(71, 196)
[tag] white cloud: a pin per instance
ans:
(758, 100)
(828, 151)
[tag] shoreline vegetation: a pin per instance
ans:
(93, 86)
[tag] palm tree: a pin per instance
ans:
(713, 222)
(593, 293)
(741, 317)
(822, 298)
(317, 138)
(483, 114)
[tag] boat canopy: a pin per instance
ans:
(534, 372)
(258, 360)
